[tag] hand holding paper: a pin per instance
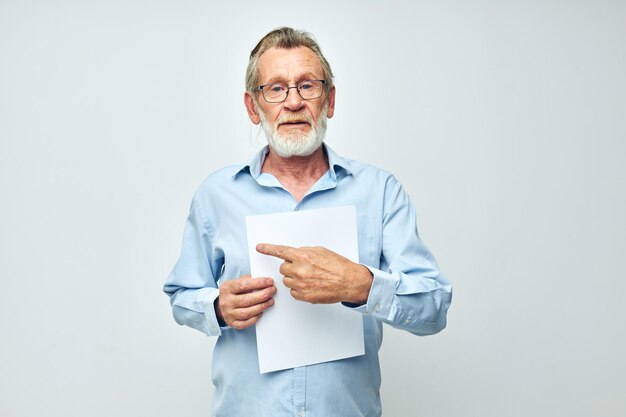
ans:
(318, 275)
(242, 301)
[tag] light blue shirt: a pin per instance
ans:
(408, 291)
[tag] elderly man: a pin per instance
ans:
(290, 92)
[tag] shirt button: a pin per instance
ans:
(300, 413)
(377, 308)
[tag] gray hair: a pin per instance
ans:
(286, 38)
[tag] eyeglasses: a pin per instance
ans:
(278, 92)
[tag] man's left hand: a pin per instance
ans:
(318, 275)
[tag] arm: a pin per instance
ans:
(196, 299)
(192, 285)
(407, 291)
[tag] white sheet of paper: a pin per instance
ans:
(293, 333)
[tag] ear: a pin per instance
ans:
(253, 113)
(331, 103)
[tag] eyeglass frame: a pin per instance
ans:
(260, 88)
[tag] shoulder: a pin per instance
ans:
(365, 172)
(379, 182)
(222, 175)
(222, 178)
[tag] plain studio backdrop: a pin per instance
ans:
(505, 121)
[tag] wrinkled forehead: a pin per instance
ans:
(289, 65)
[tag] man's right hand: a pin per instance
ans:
(242, 301)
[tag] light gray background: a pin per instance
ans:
(506, 122)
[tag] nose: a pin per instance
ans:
(293, 102)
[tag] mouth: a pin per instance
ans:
(294, 123)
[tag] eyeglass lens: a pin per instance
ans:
(277, 92)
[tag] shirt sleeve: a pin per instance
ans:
(408, 290)
(192, 285)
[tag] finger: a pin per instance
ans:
(244, 285)
(248, 312)
(279, 251)
(290, 282)
(287, 269)
(295, 294)
(307, 297)
(254, 298)
(242, 324)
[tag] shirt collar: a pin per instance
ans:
(339, 166)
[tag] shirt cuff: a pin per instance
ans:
(213, 327)
(380, 299)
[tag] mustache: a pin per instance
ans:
(294, 118)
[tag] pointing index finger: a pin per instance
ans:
(279, 251)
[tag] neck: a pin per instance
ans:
(296, 173)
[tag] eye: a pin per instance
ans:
(306, 85)
(276, 88)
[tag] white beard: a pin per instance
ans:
(304, 144)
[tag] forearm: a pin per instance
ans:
(415, 303)
(194, 308)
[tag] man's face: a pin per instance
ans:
(294, 121)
